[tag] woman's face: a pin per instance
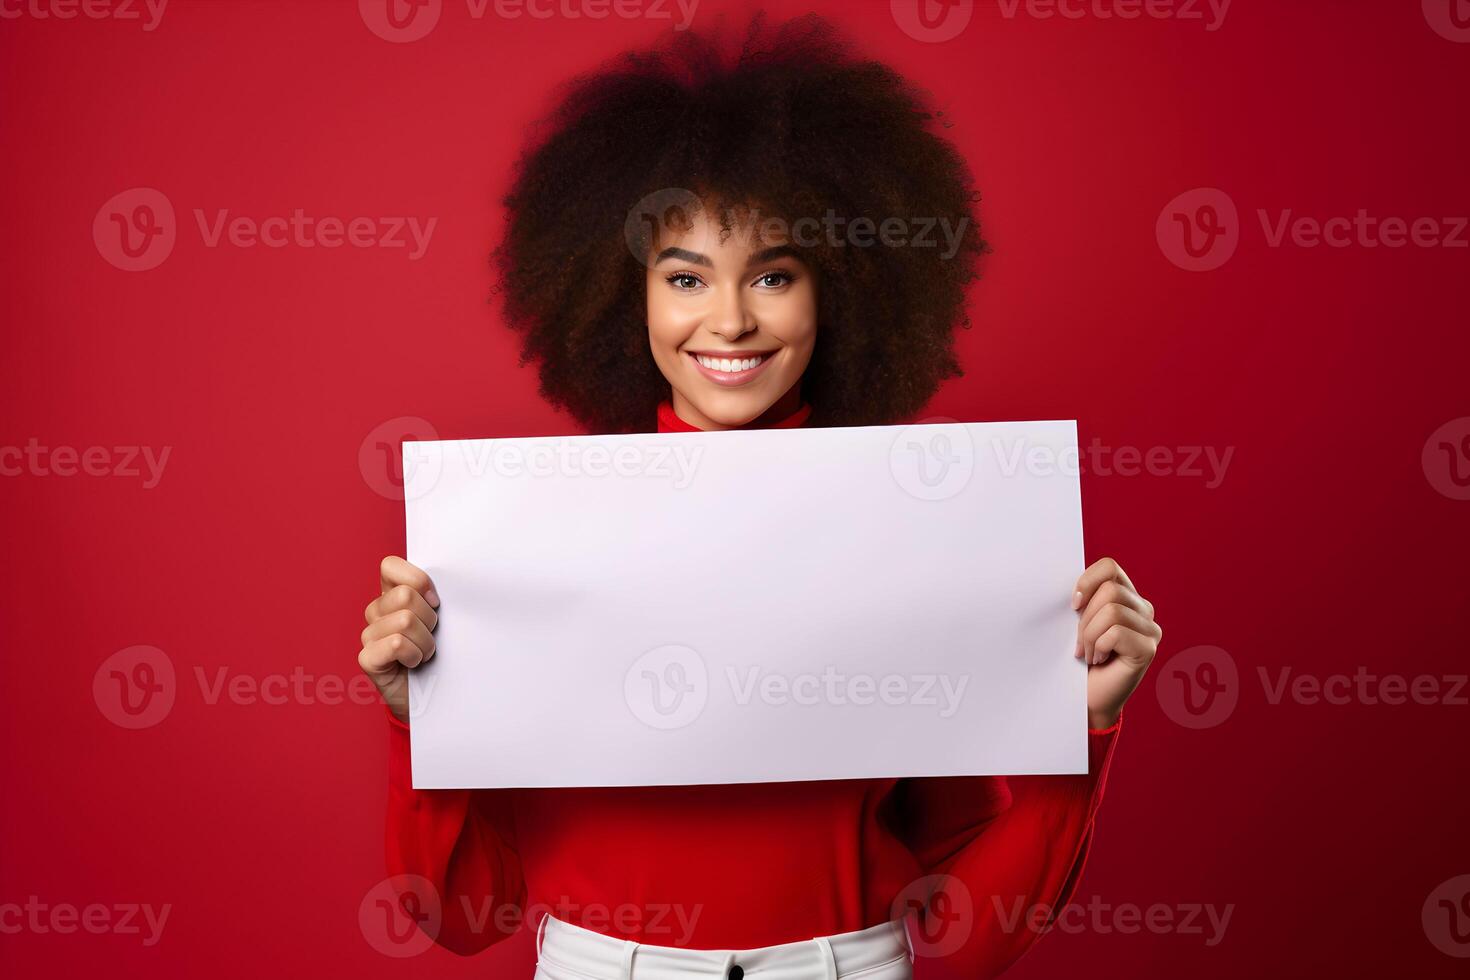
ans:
(731, 322)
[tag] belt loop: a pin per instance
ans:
(827, 955)
(908, 939)
(630, 949)
(541, 934)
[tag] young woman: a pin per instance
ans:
(781, 282)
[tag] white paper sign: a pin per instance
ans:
(749, 606)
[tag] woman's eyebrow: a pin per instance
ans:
(768, 254)
(684, 255)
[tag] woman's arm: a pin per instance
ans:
(449, 850)
(1005, 853)
(459, 841)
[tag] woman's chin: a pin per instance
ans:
(732, 410)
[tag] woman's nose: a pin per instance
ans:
(731, 320)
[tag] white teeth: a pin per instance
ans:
(729, 365)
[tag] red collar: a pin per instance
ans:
(669, 422)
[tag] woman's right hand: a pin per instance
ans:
(400, 631)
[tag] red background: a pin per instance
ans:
(1324, 549)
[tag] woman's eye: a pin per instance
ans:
(774, 280)
(683, 280)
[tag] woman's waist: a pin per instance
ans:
(725, 904)
(587, 952)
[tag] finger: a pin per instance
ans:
(395, 571)
(387, 654)
(402, 597)
(405, 622)
(1127, 644)
(1100, 571)
(1111, 615)
(1110, 592)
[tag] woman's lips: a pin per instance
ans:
(711, 364)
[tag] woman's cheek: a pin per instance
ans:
(792, 319)
(670, 324)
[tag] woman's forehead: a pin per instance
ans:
(711, 231)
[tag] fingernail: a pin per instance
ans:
(1077, 600)
(432, 598)
(1078, 654)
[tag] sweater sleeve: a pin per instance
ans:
(460, 841)
(1006, 854)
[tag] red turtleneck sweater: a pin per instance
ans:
(741, 866)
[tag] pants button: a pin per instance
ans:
(736, 973)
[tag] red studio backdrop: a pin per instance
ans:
(1229, 238)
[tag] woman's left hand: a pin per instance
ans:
(1116, 635)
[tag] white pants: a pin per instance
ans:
(568, 952)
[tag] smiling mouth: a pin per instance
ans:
(731, 368)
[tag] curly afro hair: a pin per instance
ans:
(790, 124)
